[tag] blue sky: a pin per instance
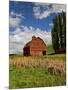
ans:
(26, 9)
(27, 19)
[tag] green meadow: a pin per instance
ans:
(43, 71)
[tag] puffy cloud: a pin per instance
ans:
(14, 22)
(24, 34)
(15, 19)
(40, 14)
(57, 8)
(44, 10)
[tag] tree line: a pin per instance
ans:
(59, 32)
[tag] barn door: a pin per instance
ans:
(44, 52)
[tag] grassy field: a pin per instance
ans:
(50, 49)
(43, 71)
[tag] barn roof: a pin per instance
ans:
(41, 40)
(29, 43)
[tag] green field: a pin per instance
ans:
(44, 71)
(50, 49)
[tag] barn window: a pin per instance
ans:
(44, 52)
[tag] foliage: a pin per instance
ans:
(59, 31)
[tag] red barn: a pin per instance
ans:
(35, 47)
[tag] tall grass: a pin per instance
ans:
(37, 71)
(54, 65)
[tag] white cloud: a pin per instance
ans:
(40, 14)
(24, 35)
(47, 9)
(51, 24)
(14, 22)
(58, 8)
(16, 14)
(15, 19)
(44, 14)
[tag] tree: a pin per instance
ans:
(59, 31)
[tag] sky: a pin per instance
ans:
(29, 18)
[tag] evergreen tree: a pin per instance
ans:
(59, 31)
